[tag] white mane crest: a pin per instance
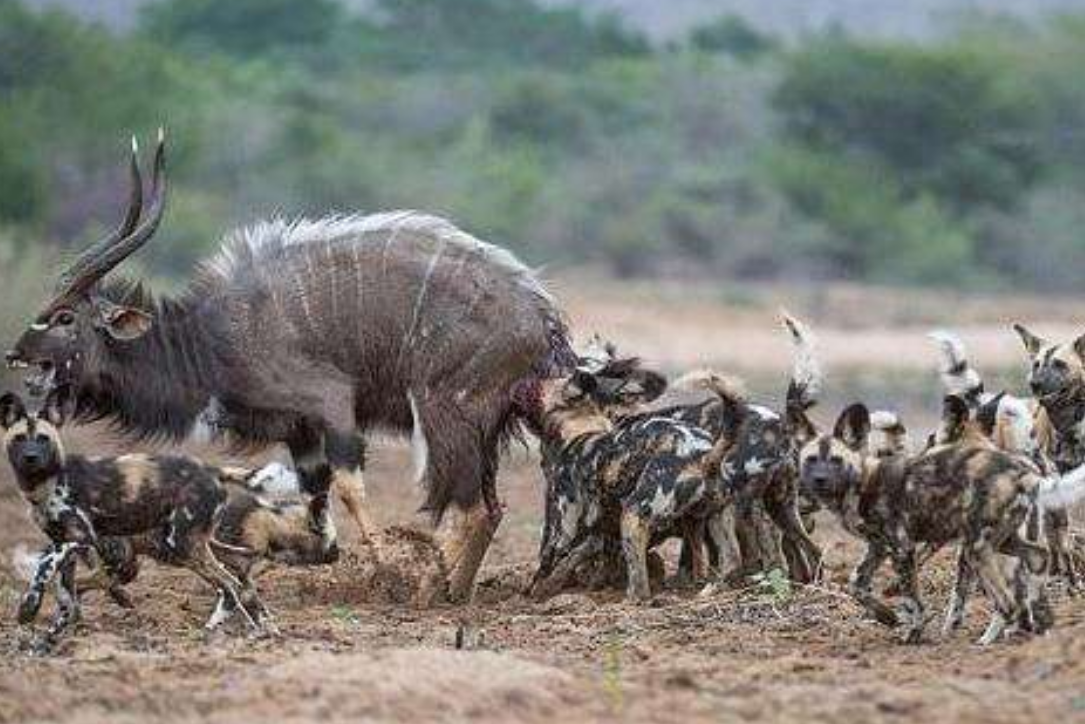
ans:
(279, 233)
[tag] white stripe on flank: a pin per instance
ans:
(419, 444)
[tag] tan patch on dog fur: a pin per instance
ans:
(137, 472)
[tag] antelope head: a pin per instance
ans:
(77, 321)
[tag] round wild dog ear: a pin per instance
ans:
(120, 322)
(12, 409)
(643, 386)
(853, 426)
(58, 407)
(581, 383)
(1033, 344)
(955, 413)
(1079, 346)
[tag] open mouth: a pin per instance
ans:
(42, 380)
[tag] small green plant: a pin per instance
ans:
(775, 585)
(345, 614)
(612, 671)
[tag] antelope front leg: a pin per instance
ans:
(465, 548)
(345, 455)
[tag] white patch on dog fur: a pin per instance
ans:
(764, 413)
(276, 480)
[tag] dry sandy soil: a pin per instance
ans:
(346, 653)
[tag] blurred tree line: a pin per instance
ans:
(567, 137)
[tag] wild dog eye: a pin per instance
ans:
(64, 318)
(1060, 365)
(836, 460)
(19, 438)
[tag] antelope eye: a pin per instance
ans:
(64, 318)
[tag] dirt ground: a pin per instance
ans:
(347, 654)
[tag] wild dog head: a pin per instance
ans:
(32, 442)
(599, 389)
(1057, 371)
(78, 321)
(832, 465)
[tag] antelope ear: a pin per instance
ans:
(853, 426)
(11, 410)
(123, 323)
(59, 406)
(1033, 344)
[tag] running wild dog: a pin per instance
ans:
(251, 530)
(967, 491)
(398, 321)
(1013, 423)
(168, 503)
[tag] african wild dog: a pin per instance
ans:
(1013, 424)
(251, 528)
(168, 504)
(768, 498)
(967, 491)
(637, 483)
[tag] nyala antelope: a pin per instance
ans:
(307, 334)
(967, 491)
(166, 506)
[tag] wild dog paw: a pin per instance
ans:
(29, 606)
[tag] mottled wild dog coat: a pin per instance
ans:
(1013, 423)
(968, 491)
(168, 503)
(250, 529)
(310, 333)
(638, 483)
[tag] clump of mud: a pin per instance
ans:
(403, 567)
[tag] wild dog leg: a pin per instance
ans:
(203, 563)
(807, 554)
(904, 563)
(635, 539)
(1056, 526)
(962, 587)
(68, 611)
(693, 538)
(984, 561)
(721, 531)
(861, 585)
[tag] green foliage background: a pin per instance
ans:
(568, 138)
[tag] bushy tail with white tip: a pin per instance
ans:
(958, 376)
